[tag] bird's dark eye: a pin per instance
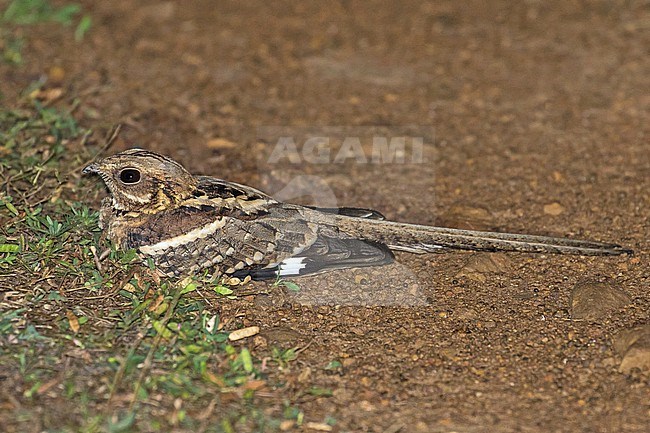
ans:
(130, 175)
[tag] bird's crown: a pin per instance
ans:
(140, 180)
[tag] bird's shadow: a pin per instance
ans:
(390, 285)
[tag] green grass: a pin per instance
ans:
(23, 12)
(91, 340)
(20, 13)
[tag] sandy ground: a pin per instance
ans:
(535, 118)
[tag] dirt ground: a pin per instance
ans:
(536, 117)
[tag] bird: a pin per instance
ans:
(189, 224)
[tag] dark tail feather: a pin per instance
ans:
(357, 212)
(325, 254)
(420, 239)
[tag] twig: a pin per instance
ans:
(98, 264)
(110, 138)
(156, 342)
(120, 372)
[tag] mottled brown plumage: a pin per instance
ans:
(190, 224)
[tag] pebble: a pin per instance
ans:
(634, 346)
(287, 425)
(282, 335)
(220, 143)
(465, 217)
(361, 279)
(56, 74)
(478, 266)
(242, 333)
(466, 314)
(318, 426)
(553, 209)
(593, 300)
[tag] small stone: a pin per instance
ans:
(287, 425)
(48, 95)
(282, 336)
(342, 395)
(191, 59)
(466, 314)
(489, 324)
(56, 74)
(361, 279)
(318, 426)
(638, 356)
(259, 341)
(478, 266)
(160, 11)
(390, 97)
(634, 346)
(220, 143)
(558, 176)
(553, 209)
(450, 353)
(242, 333)
(592, 300)
(304, 375)
(463, 216)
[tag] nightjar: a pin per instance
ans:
(189, 224)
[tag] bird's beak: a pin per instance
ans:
(91, 169)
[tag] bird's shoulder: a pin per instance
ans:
(222, 198)
(214, 188)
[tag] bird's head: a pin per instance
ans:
(144, 181)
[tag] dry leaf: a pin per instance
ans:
(155, 304)
(73, 321)
(254, 385)
(553, 209)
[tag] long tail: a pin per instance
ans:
(422, 239)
